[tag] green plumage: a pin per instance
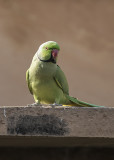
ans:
(46, 81)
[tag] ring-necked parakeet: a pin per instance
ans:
(46, 81)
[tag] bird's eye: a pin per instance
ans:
(46, 48)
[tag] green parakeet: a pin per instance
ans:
(46, 81)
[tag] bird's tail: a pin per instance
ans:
(76, 102)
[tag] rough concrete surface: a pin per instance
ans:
(56, 126)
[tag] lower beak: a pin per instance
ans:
(54, 53)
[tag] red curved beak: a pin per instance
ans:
(54, 53)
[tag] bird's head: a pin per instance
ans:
(48, 52)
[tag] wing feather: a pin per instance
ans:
(28, 81)
(61, 80)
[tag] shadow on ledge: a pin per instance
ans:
(57, 153)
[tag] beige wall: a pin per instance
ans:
(84, 30)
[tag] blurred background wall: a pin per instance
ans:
(84, 29)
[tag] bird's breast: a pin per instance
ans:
(47, 90)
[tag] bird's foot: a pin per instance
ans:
(55, 104)
(34, 104)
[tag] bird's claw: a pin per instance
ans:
(38, 104)
(55, 104)
(34, 104)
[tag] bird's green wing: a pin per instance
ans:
(62, 83)
(61, 80)
(28, 81)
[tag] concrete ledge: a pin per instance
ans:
(56, 126)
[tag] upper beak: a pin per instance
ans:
(54, 53)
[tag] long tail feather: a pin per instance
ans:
(81, 103)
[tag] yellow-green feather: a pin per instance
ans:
(61, 80)
(28, 81)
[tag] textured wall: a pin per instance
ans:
(85, 32)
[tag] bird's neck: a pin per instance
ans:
(43, 69)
